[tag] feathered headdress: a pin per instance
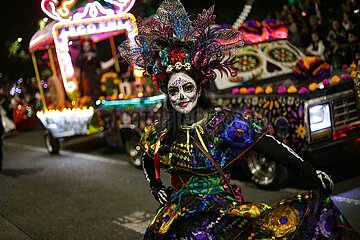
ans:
(170, 42)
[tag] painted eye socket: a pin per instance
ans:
(188, 88)
(173, 91)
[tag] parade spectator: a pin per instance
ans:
(336, 34)
(315, 26)
(296, 37)
(5, 101)
(336, 37)
(352, 48)
(347, 23)
(307, 16)
(317, 47)
(1, 142)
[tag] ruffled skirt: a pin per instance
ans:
(220, 216)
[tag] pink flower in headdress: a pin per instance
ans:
(200, 61)
(177, 55)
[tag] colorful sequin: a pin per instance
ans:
(202, 206)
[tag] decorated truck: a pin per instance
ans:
(311, 107)
(85, 87)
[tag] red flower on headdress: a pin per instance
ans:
(177, 55)
(158, 80)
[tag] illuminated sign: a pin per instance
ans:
(95, 27)
(61, 10)
(64, 31)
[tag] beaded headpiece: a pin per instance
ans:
(170, 42)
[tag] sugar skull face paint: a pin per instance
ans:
(183, 92)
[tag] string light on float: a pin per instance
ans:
(244, 14)
(68, 120)
(138, 85)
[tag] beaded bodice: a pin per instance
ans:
(226, 136)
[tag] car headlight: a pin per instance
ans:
(320, 121)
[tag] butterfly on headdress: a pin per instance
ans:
(170, 42)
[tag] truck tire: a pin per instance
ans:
(265, 173)
(52, 144)
(133, 150)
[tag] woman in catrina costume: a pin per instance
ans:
(197, 144)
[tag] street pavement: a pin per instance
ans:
(90, 191)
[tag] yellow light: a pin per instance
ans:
(70, 86)
(121, 96)
(138, 72)
(140, 94)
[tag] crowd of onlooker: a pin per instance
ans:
(18, 102)
(328, 29)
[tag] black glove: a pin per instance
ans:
(160, 192)
(321, 179)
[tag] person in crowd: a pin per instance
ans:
(317, 47)
(316, 26)
(336, 34)
(295, 36)
(198, 144)
(336, 37)
(1, 141)
(347, 22)
(352, 48)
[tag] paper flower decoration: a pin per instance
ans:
(243, 90)
(335, 79)
(251, 90)
(259, 90)
(292, 89)
(353, 74)
(282, 89)
(268, 90)
(313, 86)
(326, 82)
(303, 90)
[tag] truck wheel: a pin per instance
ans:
(52, 144)
(266, 173)
(133, 150)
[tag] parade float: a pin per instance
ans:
(125, 103)
(311, 107)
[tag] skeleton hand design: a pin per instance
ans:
(159, 191)
(161, 194)
(325, 181)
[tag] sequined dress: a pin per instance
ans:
(203, 207)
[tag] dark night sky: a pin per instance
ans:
(19, 19)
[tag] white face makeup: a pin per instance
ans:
(183, 92)
(86, 46)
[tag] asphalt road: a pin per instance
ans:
(90, 191)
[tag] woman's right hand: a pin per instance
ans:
(160, 192)
(161, 195)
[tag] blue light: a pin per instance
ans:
(134, 101)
